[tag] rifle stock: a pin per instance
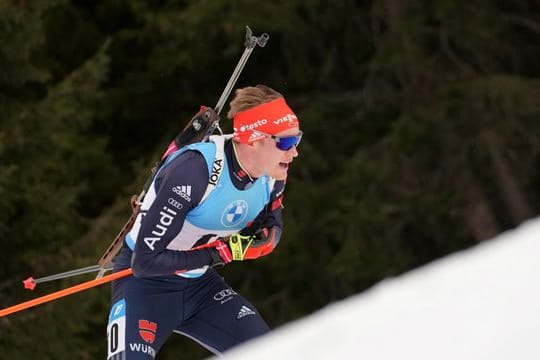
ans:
(117, 243)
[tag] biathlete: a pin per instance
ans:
(210, 203)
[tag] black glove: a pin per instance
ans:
(265, 220)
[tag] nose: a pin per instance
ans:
(292, 152)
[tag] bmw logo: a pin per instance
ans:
(234, 213)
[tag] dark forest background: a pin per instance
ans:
(422, 138)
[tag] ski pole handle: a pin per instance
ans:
(64, 292)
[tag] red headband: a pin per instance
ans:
(270, 118)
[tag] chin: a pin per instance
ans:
(281, 171)
(280, 175)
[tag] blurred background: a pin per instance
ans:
(421, 128)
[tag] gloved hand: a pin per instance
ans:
(264, 220)
(258, 239)
(263, 242)
(264, 235)
(234, 248)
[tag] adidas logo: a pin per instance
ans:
(244, 311)
(184, 191)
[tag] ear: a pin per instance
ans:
(256, 144)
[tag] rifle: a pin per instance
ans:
(198, 129)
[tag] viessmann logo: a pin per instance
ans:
(287, 118)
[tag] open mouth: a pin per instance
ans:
(284, 165)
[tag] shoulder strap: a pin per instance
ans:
(217, 165)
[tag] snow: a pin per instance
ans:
(481, 303)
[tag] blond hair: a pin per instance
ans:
(251, 96)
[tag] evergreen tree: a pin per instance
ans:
(421, 139)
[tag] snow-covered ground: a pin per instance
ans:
(481, 304)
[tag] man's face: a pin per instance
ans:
(273, 161)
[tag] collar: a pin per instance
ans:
(241, 178)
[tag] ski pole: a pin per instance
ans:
(64, 292)
(80, 287)
(31, 283)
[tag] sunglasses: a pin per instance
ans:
(284, 143)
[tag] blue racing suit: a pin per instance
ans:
(198, 195)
